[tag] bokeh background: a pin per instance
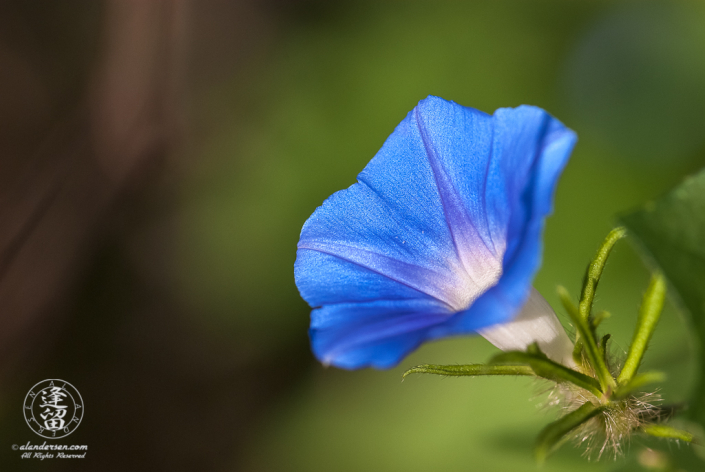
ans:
(158, 159)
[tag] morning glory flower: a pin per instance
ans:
(440, 236)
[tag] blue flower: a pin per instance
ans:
(440, 236)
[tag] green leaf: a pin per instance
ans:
(553, 435)
(599, 318)
(637, 382)
(649, 314)
(670, 233)
(603, 346)
(546, 368)
(469, 370)
(567, 302)
(663, 431)
(572, 311)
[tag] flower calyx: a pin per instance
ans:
(603, 406)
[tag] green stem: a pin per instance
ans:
(578, 351)
(470, 370)
(594, 271)
(582, 320)
(649, 314)
(593, 354)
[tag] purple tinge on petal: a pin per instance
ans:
(440, 236)
(479, 253)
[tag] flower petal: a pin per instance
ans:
(454, 199)
(378, 333)
(533, 149)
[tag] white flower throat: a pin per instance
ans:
(535, 322)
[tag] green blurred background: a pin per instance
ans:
(160, 157)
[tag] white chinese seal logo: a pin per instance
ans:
(53, 408)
